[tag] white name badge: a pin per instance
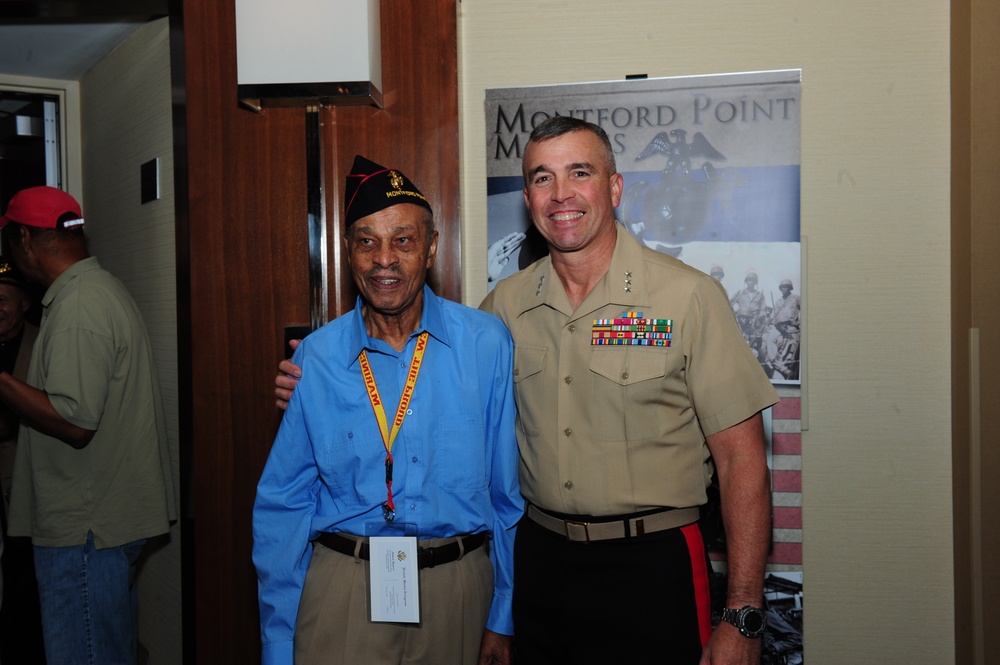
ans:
(395, 591)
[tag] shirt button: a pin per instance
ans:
(413, 506)
(409, 411)
(568, 485)
(516, 372)
(568, 431)
(414, 459)
(624, 376)
(572, 327)
(568, 379)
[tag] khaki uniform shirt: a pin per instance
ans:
(610, 430)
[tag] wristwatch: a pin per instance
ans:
(751, 621)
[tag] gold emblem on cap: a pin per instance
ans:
(4, 267)
(395, 179)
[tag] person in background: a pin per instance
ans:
(748, 303)
(783, 338)
(20, 620)
(343, 472)
(92, 477)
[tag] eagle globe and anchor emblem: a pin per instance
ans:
(396, 180)
(672, 210)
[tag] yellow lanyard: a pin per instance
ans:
(389, 436)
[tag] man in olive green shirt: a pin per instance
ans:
(92, 473)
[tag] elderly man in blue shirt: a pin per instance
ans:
(385, 516)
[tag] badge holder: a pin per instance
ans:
(393, 580)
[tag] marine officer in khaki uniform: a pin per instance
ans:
(632, 381)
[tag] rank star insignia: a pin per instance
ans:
(628, 282)
(395, 180)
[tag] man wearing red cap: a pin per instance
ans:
(382, 538)
(92, 472)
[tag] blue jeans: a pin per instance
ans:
(88, 601)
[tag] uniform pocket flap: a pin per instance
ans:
(528, 361)
(631, 367)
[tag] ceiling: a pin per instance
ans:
(63, 51)
(62, 48)
(64, 39)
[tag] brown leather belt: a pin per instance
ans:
(628, 526)
(427, 557)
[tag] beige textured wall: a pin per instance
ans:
(126, 121)
(875, 213)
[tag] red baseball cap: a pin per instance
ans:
(42, 207)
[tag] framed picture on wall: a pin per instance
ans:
(711, 176)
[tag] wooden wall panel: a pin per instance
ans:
(975, 306)
(416, 131)
(245, 246)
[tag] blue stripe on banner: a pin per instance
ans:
(747, 204)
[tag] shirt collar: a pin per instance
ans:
(624, 283)
(66, 276)
(431, 320)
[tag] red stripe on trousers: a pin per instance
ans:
(699, 575)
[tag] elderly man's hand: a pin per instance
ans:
(495, 649)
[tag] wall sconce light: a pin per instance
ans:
(308, 53)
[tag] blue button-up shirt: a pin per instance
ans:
(455, 469)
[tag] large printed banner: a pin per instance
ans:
(711, 170)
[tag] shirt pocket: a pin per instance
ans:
(530, 395)
(459, 450)
(352, 463)
(626, 390)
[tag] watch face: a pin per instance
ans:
(753, 621)
(750, 621)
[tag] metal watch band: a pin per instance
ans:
(738, 618)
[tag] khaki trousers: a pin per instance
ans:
(334, 628)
